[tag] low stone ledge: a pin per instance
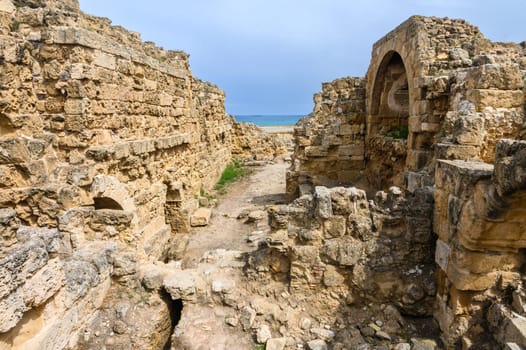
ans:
(136, 147)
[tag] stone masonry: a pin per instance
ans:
(408, 186)
(104, 141)
(441, 115)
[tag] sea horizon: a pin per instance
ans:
(269, 119)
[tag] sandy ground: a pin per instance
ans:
(278, 129)
(265, 186)
(203, 326)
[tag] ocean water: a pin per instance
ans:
(269, 120)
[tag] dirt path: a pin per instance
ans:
(265, 186)
(213, 256)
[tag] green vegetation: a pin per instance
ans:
(233, 172)
(399, 132)
(259, 347)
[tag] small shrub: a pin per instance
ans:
(233, 172)
(399, 132)
(259, 347)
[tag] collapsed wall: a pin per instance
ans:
(329, 144)
(249, 142)
(429, 118)
(104, 141)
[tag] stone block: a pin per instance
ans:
(495, 76)
(12, 310)
(315, 151)
(9, 224)
(335, 226)
(322, 196)
(165, 99)
(346, 130)
(105, 60)
(13, 151)
(510, 167)
(125, 262)
(469, 130)
(276, 344)
(181, 285)
(343, 251)
(156, 239)
(351, 150)
(74, 106)
(317, 344)
(201, 217)
(454, 151)
(332, 278)
(7, 6)
(45, 283)
(142, 147)
(496, 98)
(442, 252)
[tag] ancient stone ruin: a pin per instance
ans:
(407, 216)
(434, 135)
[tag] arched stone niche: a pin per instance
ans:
(389, 111)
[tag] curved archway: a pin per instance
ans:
(387, 121)
(390, 98)
(106, 203)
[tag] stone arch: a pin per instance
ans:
(389, 107)
(390, 97)
(108, 191)
(106, 203)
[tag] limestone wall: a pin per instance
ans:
(250, 141)
(438, 99)
(340, 241)
(104, 141)
(330, 143)
(480, 225)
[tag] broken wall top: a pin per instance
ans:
(62, 22)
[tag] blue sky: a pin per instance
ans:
(271, 56)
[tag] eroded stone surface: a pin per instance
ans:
(107, 144)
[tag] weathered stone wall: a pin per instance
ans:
(435, 89)
(439, 97)
(250, 142)
(104, 141)
(370, 250)
(479, 219)
(329, 143)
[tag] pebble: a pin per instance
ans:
(317, 344)
(305, 323)
(263, 334)
(276, 344)
(232, 321)
(367, 331)
(120, 327)
(383, 335)
(375, 327)
(322, 333)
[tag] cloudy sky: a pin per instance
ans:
(270, 56)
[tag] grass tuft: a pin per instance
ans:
(233, 172)
(399, 132)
